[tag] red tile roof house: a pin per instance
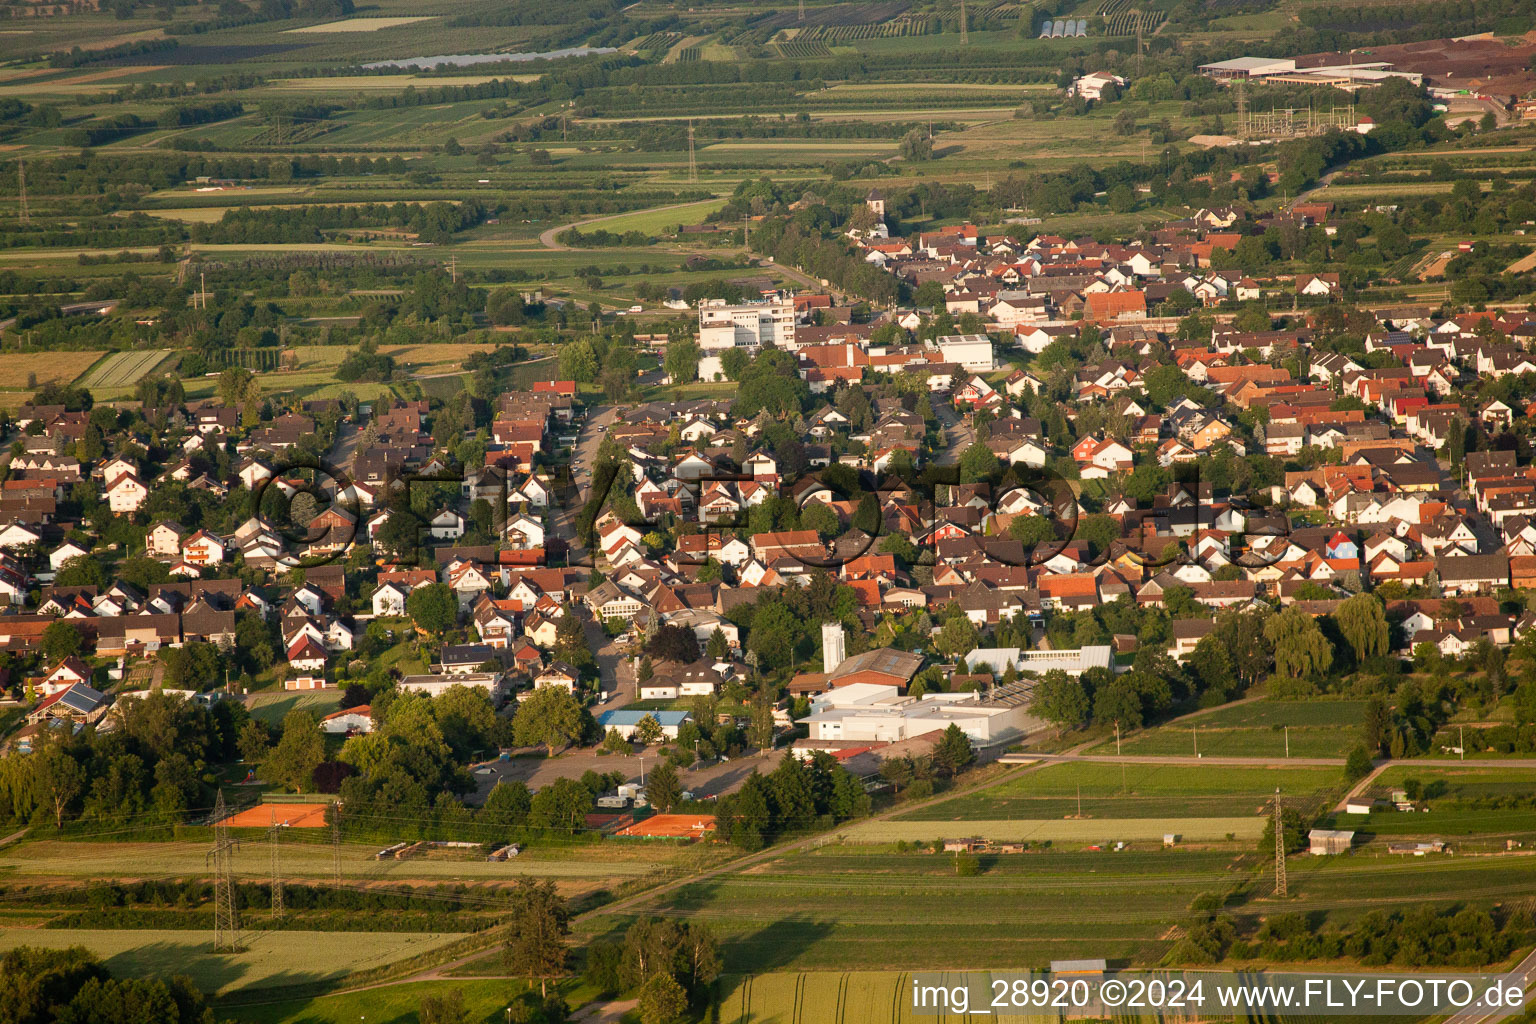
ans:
(1105, 306)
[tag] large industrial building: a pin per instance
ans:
(875, 713)
(1075, 662)
(749, 325)
(1284, 70)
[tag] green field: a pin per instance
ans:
(1482, 806)
(271, 706)
(1263, 728)
(271, 959)
(1100, 831)
(1111, 791)
(850, 907)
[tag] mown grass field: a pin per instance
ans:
(271, 958)
(271, 706)
(1111, 791)
(17, 368)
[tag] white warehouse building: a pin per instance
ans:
(972, 351)
(872, 713)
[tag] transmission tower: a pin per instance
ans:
(693, 167)
(226, 914)
(964, 37)
(277, 879)
(21, 182)
(1279, 847)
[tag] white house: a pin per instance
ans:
(389, 599)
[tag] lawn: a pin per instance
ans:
(270, 959)
(1128, 792)
(273, 705)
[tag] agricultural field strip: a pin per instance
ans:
(284, 957)
(1089, 830)
(302, 858)
(124, 369)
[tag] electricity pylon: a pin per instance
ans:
(1279, 847)
(226, 912)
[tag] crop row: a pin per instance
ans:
(836, 33)
(804, 48)
(658, 41)
(1126, 23)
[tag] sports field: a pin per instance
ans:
(271, 958)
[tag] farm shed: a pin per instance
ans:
(1325, 841)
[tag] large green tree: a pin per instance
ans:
(1362, 621)
(301, 750)
(1301, 649)
(433, 607)
(550, 716)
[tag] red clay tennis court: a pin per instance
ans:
(672, 826)
(290, 815)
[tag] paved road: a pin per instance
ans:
(1524, 972)
(587, 442)
(957, 436)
